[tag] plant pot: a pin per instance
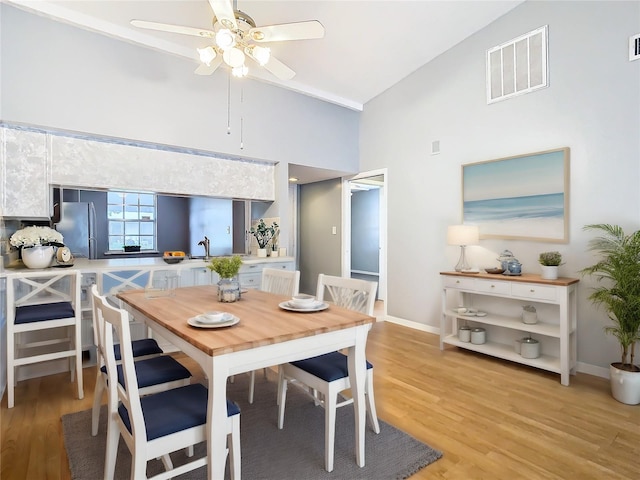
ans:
(625, 384)
(274, 253)
(262, 252)
(37, 257)
(549, 272)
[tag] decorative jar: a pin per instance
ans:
(228, 290)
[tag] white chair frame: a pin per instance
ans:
(101, 379)
(142, 450)
(47, 284)
(353, 294)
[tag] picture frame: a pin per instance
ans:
(523, 197)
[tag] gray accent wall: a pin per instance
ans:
(320, 209)
(592, 106)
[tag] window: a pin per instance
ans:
(132, 220)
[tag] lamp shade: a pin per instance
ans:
(463, 235)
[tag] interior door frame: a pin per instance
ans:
(346, 228)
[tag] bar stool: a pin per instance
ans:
(43, 301)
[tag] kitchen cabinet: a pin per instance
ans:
(502, 298)
(250, 275)
(25, 163)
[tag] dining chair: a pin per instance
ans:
(155, 425)
(155, 372)
(325, 376)
(41, 301)
(280, 282)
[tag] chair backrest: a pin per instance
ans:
(116, 322)
(281, 282)
(351, 293)
(43, 287)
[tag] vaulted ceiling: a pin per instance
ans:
(369, 45)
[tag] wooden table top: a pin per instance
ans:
(525, 277)
(262, 321)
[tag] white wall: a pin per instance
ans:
(592, 106)
(59, 76)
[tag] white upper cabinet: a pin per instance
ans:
(25, 166)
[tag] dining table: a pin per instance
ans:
(267, 333)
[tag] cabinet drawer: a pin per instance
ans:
(250, 280)
(280, 265)
(533, 291)
(251, 268)
(497, 287)
(462, 283)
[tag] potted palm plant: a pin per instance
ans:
(550, 261)
(619, 293)
(227, 268)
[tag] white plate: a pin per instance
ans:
(313, 308)
(195, 323)
(481, 314)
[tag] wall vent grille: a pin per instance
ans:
(634, 47)
(518, 66)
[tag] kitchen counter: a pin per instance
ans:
(151, 263)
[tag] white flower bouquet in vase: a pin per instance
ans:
(36, 245)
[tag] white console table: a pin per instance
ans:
(502, 298)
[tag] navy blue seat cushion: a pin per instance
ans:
(328, 367)
(141, 348)
(154, 371)
(174, 410)
(45, 311)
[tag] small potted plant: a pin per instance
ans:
(36, 245)
(619, 293)
(264, 234)
(550, 262)
(227, 268)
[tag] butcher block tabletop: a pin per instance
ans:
(262, 321)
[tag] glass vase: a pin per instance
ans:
(228, 290)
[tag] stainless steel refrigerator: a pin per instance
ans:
(77, 226)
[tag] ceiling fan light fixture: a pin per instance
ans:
(261, 54)
(234, 57)
(207, 54)
(240, 71)
(225, 38)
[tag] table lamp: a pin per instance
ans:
(462, 235)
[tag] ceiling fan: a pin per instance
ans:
(235, 36)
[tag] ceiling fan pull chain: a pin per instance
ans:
(229, 105)
(241, 118)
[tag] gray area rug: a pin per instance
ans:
(295, 453)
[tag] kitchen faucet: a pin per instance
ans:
(205, 244)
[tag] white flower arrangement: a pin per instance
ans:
(34, 236)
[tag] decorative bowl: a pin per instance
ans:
(494, 270)
(302, 300)
(172, 260)
(210, 318)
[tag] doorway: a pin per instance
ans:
(364, 229)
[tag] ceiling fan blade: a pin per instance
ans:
(204, 69)
(288, 31)
(223, 10)
(279, 69)
(165, 27)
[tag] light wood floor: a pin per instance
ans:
(491, 419)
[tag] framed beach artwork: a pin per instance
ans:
(522, 197)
